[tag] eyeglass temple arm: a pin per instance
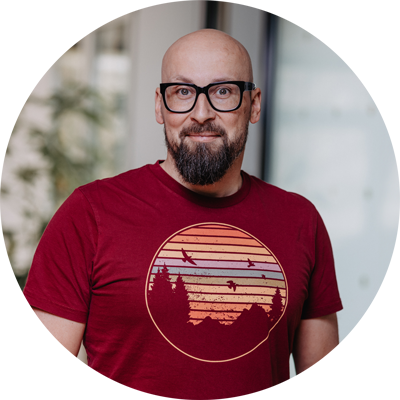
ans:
(249, 86)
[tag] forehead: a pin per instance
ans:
(203, 62)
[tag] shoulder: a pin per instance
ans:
(280, 198)
(128, 182)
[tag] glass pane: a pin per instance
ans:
(180, 97)
(111, 66)
(331, 145)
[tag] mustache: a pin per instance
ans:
(198, 129)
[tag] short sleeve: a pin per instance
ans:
(59, 279)
(323, 294)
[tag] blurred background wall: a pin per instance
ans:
(330, 144)
(321, 135)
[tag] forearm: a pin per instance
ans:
(317, 358)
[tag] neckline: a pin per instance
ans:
(201, 200)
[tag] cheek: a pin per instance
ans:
(234, 122)
(173, 125)
(174, 121)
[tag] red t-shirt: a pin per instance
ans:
(183, 295)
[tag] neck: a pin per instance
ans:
(230, 183)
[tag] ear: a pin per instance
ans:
(158, 109)
(255, 106)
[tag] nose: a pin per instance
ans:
(202, 111)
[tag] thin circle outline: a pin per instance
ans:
(147, 285)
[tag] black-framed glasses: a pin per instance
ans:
(222, 96)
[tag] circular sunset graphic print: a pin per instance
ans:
(215, 292)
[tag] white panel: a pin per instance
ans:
(247, 26)
(330, 144)
(154, 29)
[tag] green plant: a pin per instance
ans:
(48, 147)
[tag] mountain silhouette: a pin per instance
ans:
(209, 339)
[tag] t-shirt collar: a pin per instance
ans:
(205, 201)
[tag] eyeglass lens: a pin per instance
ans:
(223, 97)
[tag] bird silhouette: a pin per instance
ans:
(187, 258)
(251, 264)
(232, 285)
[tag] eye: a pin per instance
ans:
(184, 91)
(223, 91)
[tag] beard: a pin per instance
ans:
(201, 163)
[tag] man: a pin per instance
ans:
(189, 278)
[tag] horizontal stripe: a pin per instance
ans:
(215, 240)
(224, 307)
(230, 298)
(216, 256)
(189, 247)
(215, 232)
(222, 272)
(216, 226)
(247, 290)
(220, 264)
(214, 280)
(244, 290)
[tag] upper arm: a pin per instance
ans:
(314, 339)
(49, 349)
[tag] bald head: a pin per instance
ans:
(206, 142)
(204, 55)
